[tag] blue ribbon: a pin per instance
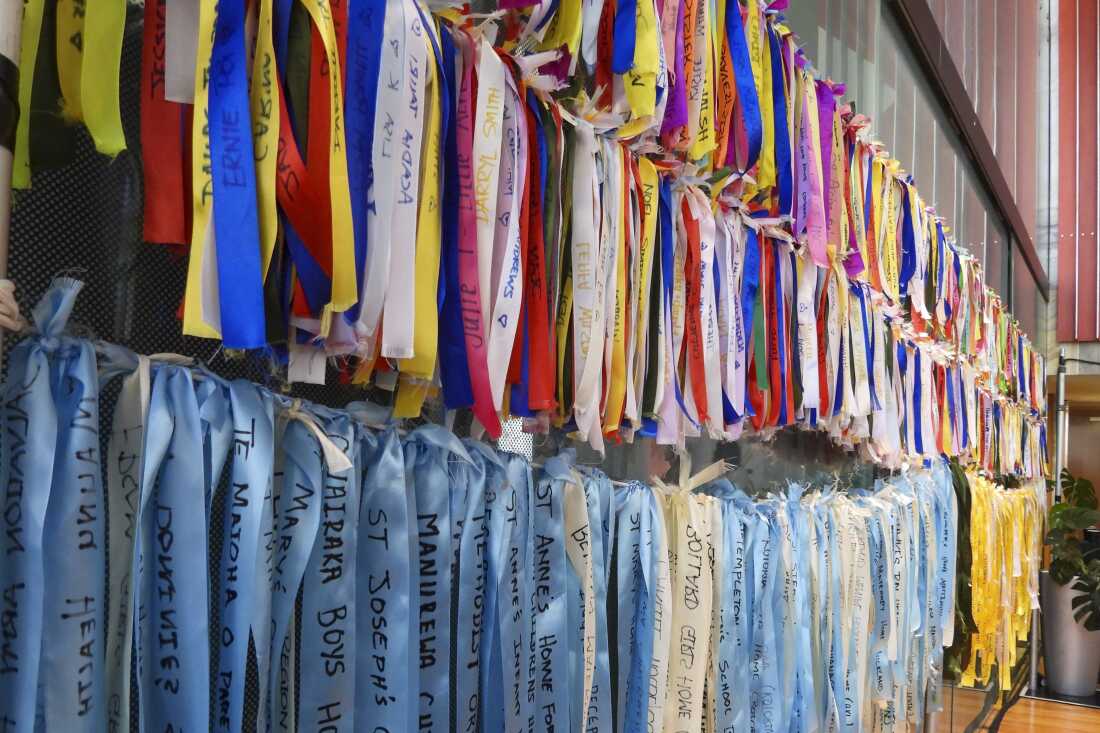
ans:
(236, 226)
(908, 246)
(623, 37)
(869, 345)
(547, 583)
(601, 521)
(631, 601)
(174, 659)
(298, 498)
(469, 624)
(747, 100)
(253, 451)
(329, 633)
(765, 705)
(386, 682)
(750, 282)
(783, 159)
(365, 21)
(428, 452)
(216, 427)
(74, 561)
(453, 369)
(514, 611)
(28, 442)
(498, 491)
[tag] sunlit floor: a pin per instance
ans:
(1043, 715)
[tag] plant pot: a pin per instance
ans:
(1071, 653)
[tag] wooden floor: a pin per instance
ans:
(1043, 715)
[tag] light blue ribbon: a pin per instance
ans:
(73, 650)
(471, 620)
(29, 440)
(631, 599)
(514, 610)
(765, 705)
(601, 520)
(881, 677)
(174, 660)
(253, 450)
(329, 633)
(428, 451)
(297, 516)
(490, 661)
(386, 681)
(549, 593)
(217, 430)
(804, 715)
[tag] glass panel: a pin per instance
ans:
(859, 42)
(1026, 301)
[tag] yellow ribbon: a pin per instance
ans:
(641, 81)
(417, 371)
(104, 25)
(28, 57)
(616, 389)
(202, 182)
(70, 52)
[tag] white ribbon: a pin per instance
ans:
(390, 97)
(588, 287)
(399, 316)
(507, 271)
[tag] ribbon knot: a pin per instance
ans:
(688, 482)
(336, 460)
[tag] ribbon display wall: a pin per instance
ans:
(649, 218)
(444, 580)
(1001, 542)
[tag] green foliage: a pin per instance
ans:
(1071, 559)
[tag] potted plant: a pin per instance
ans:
(1071, 592)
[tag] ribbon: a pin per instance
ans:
(297, 517)
(29, 442)
(252, 461)
(328, 632)
(104, 26)
(72, 654)
(473, 297)
(172, 570)
(386, 684)
(428, 452)
(400, 315)
(515, 607)
(469, 628)
(164, 212)
(124, 497)
(547, 584)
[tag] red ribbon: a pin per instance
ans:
(167, 205)
(693, 318)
